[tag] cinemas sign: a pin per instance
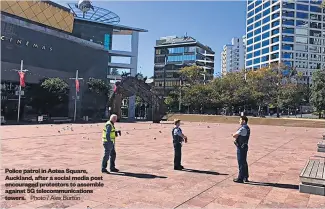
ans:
(26, 43)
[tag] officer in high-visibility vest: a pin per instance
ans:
(109, 135)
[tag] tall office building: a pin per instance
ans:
(173, 53)
(290, 32)
(233, 56)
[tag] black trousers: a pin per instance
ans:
(242, 162)
(177, 154)
(109, 154)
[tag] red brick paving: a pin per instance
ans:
(276, 157)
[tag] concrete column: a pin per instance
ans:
(133, 71)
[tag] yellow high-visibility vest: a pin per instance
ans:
(112, 133)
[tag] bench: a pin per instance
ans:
(60, 119)
(312, 177)
(321, 146)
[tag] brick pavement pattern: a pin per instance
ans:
(145, 153)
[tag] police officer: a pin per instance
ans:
(109, 135)
(241, 141)
(178, 138)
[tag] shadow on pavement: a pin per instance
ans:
(138, 175)
(283, 186)
(204, 172)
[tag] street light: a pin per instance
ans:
(203, 78)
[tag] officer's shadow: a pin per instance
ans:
(278, 185)
(203, 172)
(138, 175)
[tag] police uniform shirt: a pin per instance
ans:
(242, 131)
(178, 132)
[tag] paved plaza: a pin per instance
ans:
(145, 159)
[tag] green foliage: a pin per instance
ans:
(323, 4)
(114, 71)
(273, 86)
(50, 94)
(318, 91)
(193, 74)
(95, 98)
(98, 87)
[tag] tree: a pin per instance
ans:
(51, 93)
(318, 91)
(114, 71)
(98, 94)
(198, 96)
(323, 4)
(193, 74)
(290, 96)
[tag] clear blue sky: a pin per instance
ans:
(213, 23)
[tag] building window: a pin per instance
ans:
(288, 30)
(302, 15)
(250, 14)
(300, 39)
(257, 46)
(303, 48)
(265, 58)
(266, 20)
(301, 31)
(288, 22)
(274, 56)
(287, 46)
(302, 23)
(288, 13)
(265, 43)
(315, 9)
(158, 51)
(265, 35)
(257, 61)
(249, 35)
(275, 39)
(250, 62)
(288, 5)
(276, 15)
(266, 12)
(257, 24)
(257, 17)
(275, 31)
(257, 53)
(266, 4)
(249, 28)
(257, 31)
(177, 50)
(266, 27)
(287, 55)
(265, 50)
(303, 7)
(288, 38)
(275, 48)
(276, 7)
(275, 23)
(257, 38)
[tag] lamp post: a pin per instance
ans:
(21, 73)
(165, 74)
(203, 78)
(76, 95)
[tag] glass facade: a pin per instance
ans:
(170, 58)
(44, 12)
(291, 31)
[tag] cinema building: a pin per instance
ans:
(56, 41)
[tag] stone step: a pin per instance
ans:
(321, 144)
(312, 189)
